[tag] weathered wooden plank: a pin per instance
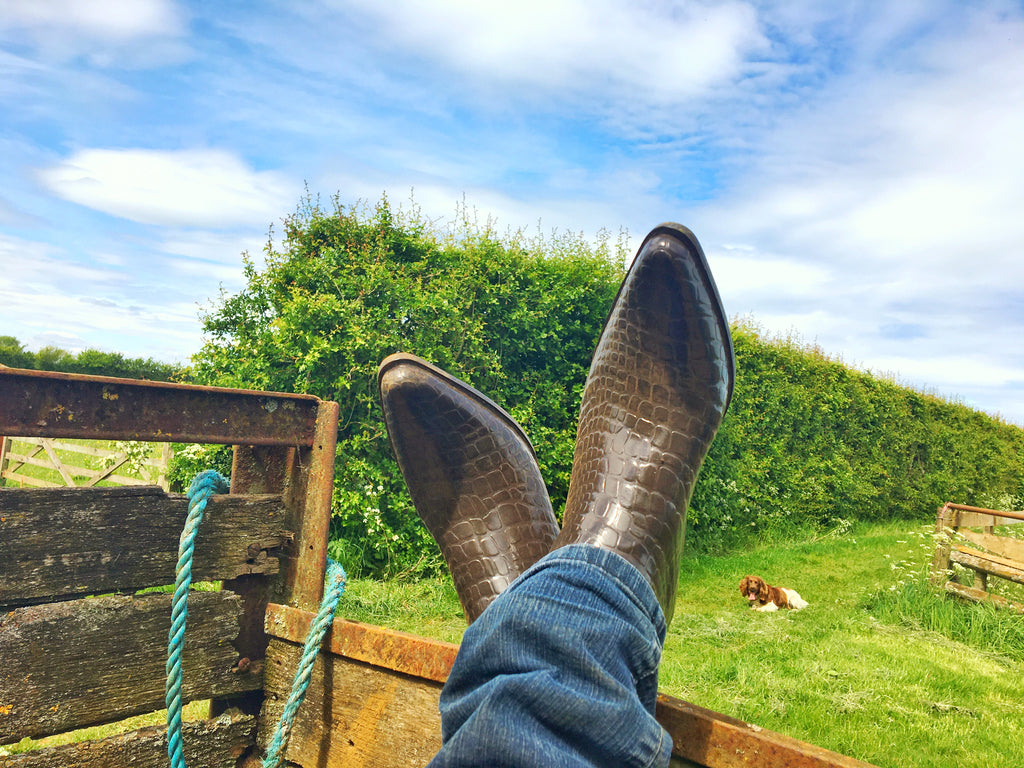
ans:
(1001, 545)
(255, 470)
(982, 561)
(354, 713)
(387, 648)
(23, 480)
(84, 662)
(981, 596)
(56, 462)
(216, 743)
(938, 572)
(979, 519)
(717, 741)
(384, 695)
(66, 542)
(50, 404)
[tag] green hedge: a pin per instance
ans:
(808, 444)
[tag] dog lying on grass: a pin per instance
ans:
(764, 597)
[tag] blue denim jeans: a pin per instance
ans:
(560, 670)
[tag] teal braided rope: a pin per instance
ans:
(204, 485)
(314, 638)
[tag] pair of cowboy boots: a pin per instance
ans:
(658, 387)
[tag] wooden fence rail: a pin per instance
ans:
(18, 452)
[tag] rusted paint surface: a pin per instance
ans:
(49, 404)
(386, 648)
(309, 498)
(718, 741)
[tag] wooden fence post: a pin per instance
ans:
(944, 520)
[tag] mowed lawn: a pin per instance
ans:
(878, 667)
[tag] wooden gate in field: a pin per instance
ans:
(65, 464)
(988, 555)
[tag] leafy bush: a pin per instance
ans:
(89, 361)
(515, 317)
(808, 444)
(188, 460)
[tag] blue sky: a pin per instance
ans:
(853, 170)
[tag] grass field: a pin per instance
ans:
(879, 667)
(83, 461)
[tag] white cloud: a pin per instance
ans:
(741, 271)
(140, 32)
(188, 188)
(44, 292)
(648, 50)
(112, 20)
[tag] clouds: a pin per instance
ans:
(851, 169)
(114, 20)
(112, 31)
(197, 187)
(654, 50)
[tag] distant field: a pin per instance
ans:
(878, 667)
(29, 462)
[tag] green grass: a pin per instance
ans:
(879, 667)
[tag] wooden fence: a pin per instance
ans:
(67, 464)
(991, 555)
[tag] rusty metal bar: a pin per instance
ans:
(50, 404)
(983, 511)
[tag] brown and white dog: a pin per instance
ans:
(764, 597)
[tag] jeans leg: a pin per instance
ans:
(561, 670)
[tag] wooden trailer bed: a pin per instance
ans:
(80, 646)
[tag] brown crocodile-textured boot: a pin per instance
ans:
(472, 475)
(658, 387)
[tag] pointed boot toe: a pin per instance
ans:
(659, 384)
(472, 474)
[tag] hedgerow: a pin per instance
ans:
(808, 442)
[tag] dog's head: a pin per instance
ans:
(754, 589)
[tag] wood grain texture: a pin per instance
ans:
(982, 561)
(1000, 545)
(715, 740)
(382, 647)
(85, 662)
(67, 542)
(981, 596)
(216, 743)
(355, 715)
(380, 710)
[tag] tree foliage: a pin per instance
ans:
(515, 317)
(89, 361)
(810, 444)
(807, 445)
